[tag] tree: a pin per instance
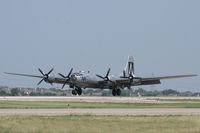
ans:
(170, 92)
(14, 92)
(3, 93)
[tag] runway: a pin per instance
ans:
(102, 111)
(100, 99)
(120, 111)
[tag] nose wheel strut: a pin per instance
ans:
(116, 92)
(76, 91)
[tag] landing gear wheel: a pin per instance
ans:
(118, 91)
(79, 91)
(74, 92)
(114, 92)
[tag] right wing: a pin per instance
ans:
(25, 75)
(54, 80)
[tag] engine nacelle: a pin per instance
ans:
(50, 80)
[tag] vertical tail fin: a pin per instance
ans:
(129, 69)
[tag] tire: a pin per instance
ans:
(79, 91)
(74, 92)
(114, 92)
(118, 92)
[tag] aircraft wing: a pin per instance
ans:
(26, 75)
(168, 77)
(55, 80)
(152, 80)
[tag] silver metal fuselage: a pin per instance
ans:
(84, 79)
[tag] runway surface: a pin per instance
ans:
(120, 111)
(101, 99)
(104, 111)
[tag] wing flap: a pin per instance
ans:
(149, 82)
(123, 81)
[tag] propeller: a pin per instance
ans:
(45, 76)
(130, 77)
(106, 78)
(67, 78)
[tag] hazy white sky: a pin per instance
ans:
(163, 37)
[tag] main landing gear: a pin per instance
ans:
(76, 91)
(116, 92)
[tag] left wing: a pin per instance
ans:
(168, 77)
(152, 80)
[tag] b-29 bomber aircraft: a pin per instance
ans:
(81, 80)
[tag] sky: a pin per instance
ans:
(163, 37)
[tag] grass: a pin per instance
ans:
(99, 124)
(63, 104)
(181, 100)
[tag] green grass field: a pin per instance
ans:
(63, 104)
(100, 124)
(181, 100)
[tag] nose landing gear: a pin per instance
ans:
(116, 92)
(77, 90)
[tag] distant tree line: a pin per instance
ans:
(90, 92)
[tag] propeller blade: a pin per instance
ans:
(41, 72)
(99, 76)
(108, 72)
(40, 81)
(61, 75)
(70, 72)
(50, 71)
(63, 85)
